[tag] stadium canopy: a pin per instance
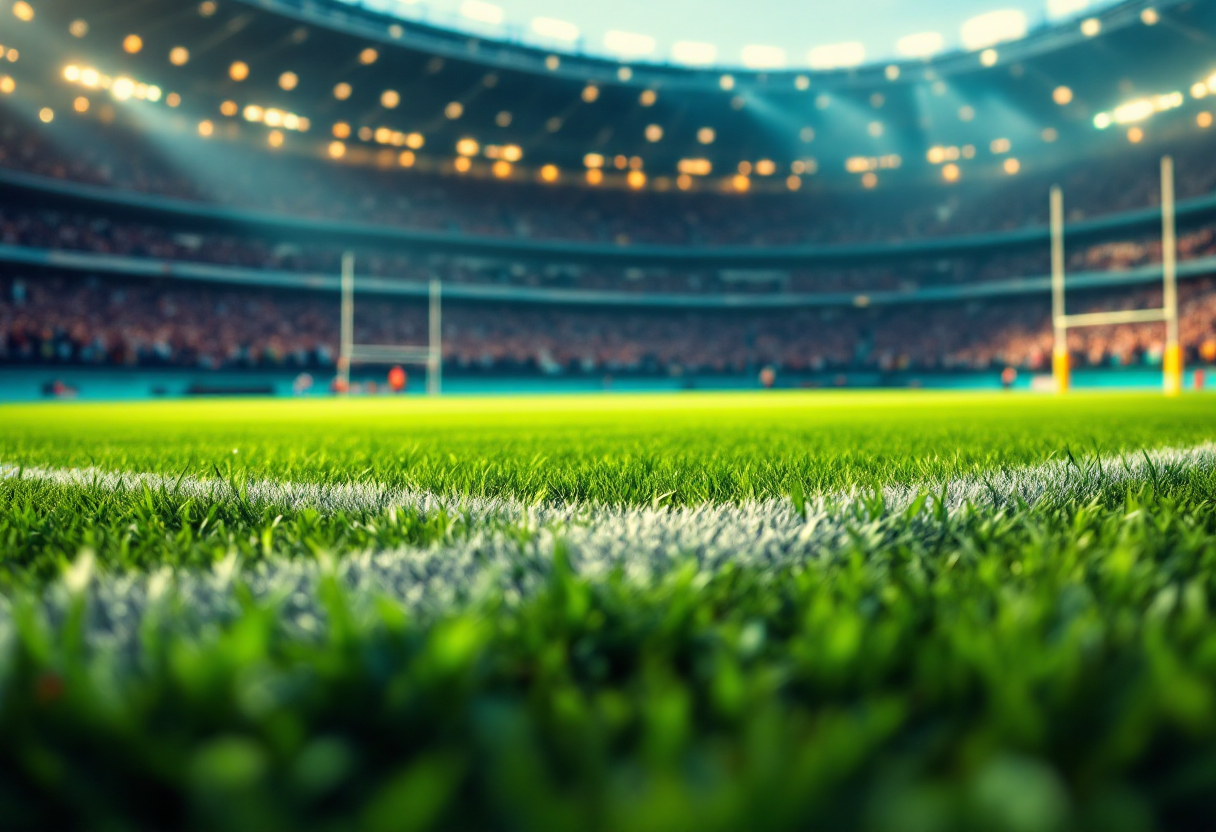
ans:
(364, 83)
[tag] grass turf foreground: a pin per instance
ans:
(1023, 667)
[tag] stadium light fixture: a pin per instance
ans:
(837, 55)
(628, 44)
(550, 27)
(756, 56)
(992, 28)
(1060, 9)
(694, 53)
(482, 12)
(920, 45)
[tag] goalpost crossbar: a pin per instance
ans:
(350, 353)
(1171, 364)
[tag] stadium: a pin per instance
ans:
(526, 415)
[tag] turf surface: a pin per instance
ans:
(1004, 665)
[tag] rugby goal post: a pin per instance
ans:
(1171, 360)
(349, 353)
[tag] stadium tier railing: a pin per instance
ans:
(606, 253)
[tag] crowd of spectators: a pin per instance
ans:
(53, 229)
(89, 321)
(230, 174)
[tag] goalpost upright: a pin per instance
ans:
(430, 356)
(1171, 360)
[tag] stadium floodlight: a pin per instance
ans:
(350, 353)
(482, 12)
(1061, 9)
(837, 55)
(550, 27)
(755, 56)
(985, 30)
(693, 53)
(628, 44)
(920, 45)
(1171, 363)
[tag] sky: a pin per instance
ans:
(792, 27)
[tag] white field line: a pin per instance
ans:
(641, 544)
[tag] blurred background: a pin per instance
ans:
(575, 196)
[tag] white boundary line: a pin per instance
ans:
(641, 544)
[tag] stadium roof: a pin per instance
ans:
(362, 86)
(764, 34)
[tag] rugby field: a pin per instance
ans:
(886, 611)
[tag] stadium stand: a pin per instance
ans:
(200, 224)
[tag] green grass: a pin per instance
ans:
(625, 450)
(1041, 667)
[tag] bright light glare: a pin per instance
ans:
(1060, 9)
(549, 27)
(482, 12)
(756, 56)
(920, 45)
(696, 54)
(994, 27)
(837, 55)
(628, 44)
